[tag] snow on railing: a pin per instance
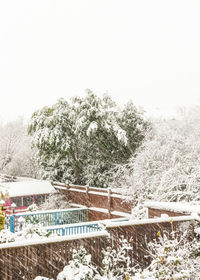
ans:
(48, 218)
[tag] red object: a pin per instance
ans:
(23, 202)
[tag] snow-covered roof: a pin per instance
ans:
(174, 206)
(28, 188)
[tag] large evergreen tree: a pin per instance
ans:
(81, 140)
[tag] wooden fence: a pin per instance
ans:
(95, 197)
(48, 259)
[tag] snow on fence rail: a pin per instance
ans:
(80, 228)
(95, 197)
(49, 218)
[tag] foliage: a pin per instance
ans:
(173, 257)
(138, 212)
(28, 231)
(16, 155)
(116, 262)
(55, 201)
(81, 140)
(167, 164)
(32, 208)
(79, 268)
(116, 265)
(4, 195)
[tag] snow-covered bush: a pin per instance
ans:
(28, 232)
(32, 208)
(115, 265)
(174, 257)
(116, 262)
(32, 231)
(6, 236)
(138, 212)
(80, 268)
(55, 201)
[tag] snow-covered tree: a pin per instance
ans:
(167, 164)
(81, 140)
(16, 155)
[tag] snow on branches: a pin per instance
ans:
(166, 167)
(81, 140)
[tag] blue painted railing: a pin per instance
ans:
(50, 218)
(72, 229)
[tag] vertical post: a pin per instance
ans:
(87, 197)
(68, 193)
(56, 218)
(2, 215)
(86, 215)
(63, 232)
(109, 202)
(12, 223)
(13, 205)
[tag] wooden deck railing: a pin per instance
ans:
(72, 229)
(49, 217)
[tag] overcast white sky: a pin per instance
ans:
(144, 50)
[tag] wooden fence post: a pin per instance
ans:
(87, 197)
(109, 202)
(68, 192)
